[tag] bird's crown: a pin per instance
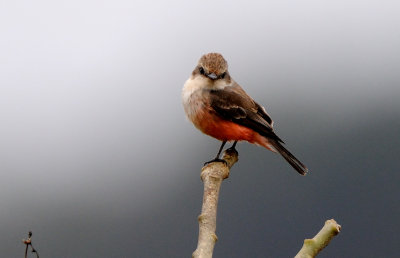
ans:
(213, 63)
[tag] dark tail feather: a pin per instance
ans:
(293, 161)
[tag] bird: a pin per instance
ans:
(216, 104)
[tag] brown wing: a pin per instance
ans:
(233, 104)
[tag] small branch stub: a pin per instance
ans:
(312, 247)
(212, 175)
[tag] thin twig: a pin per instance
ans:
(312, 247)
(28, 242)
(212, 176)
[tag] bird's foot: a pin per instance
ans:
(216, 160)
(232, 150)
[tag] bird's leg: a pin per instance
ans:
(233, 146)
(217, 159)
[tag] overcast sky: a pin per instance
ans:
(98, 160)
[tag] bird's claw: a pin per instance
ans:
(231, 149)
(216, 160)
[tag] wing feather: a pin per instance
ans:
(231, 104)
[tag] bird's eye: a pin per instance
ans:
(223, 75)
(201, 69)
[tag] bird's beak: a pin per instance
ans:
(212, 76)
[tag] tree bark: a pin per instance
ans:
(212, 175)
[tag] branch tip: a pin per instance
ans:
(312, 247)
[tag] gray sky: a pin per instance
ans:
(98, 160)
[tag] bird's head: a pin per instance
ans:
(212, 66)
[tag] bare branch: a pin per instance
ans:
(212, 175)
(312, 247)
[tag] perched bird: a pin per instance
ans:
(220, 108)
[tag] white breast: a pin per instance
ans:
(195, 83)
(192, 97)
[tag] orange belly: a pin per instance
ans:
(224, 130)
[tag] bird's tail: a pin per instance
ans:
(293, 161)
